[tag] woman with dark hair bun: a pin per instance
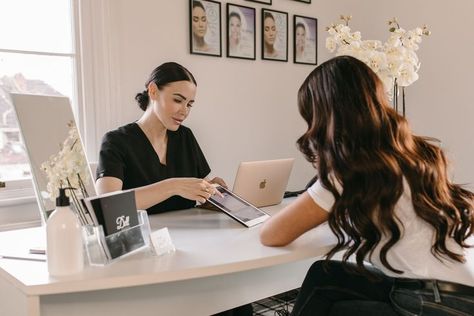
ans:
(157, 155)
(388, 199)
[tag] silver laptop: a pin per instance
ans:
(263, 182)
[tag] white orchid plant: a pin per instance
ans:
(395, 61)
(67, 168)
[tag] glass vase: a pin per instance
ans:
(397, 90)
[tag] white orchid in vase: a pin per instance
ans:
(395, 61)
(67, 168)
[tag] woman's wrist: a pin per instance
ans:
(168, 187)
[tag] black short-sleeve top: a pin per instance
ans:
(127, 154)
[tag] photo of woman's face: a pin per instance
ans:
(300, 37)
(235, 26)
(199, 22)
(269, 29)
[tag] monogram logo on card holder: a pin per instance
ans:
(122, 222)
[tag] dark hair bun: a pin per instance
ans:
(143, 99)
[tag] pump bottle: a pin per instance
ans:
(64, 239)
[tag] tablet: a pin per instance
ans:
(237, 208)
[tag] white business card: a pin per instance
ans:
(161, 241)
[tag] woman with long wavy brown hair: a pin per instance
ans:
(387, 197)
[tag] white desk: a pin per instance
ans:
(219, 264)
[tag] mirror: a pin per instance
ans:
(54, 148)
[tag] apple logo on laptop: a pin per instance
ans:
(262, 184)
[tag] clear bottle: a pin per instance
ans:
(64, 239)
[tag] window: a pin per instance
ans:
(36, 56)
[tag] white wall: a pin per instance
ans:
(246, 110)
(440, 103)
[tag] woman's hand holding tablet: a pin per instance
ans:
(237, 208)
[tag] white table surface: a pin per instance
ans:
(212, 249)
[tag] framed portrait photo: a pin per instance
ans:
(240, 31)
(262, 1)
(305, 40)
(274, 35)
(205, 27)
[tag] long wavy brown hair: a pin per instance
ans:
(356, 137)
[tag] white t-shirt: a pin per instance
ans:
(412, 253)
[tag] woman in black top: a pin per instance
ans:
(156, 155)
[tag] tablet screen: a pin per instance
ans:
(237, 208)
